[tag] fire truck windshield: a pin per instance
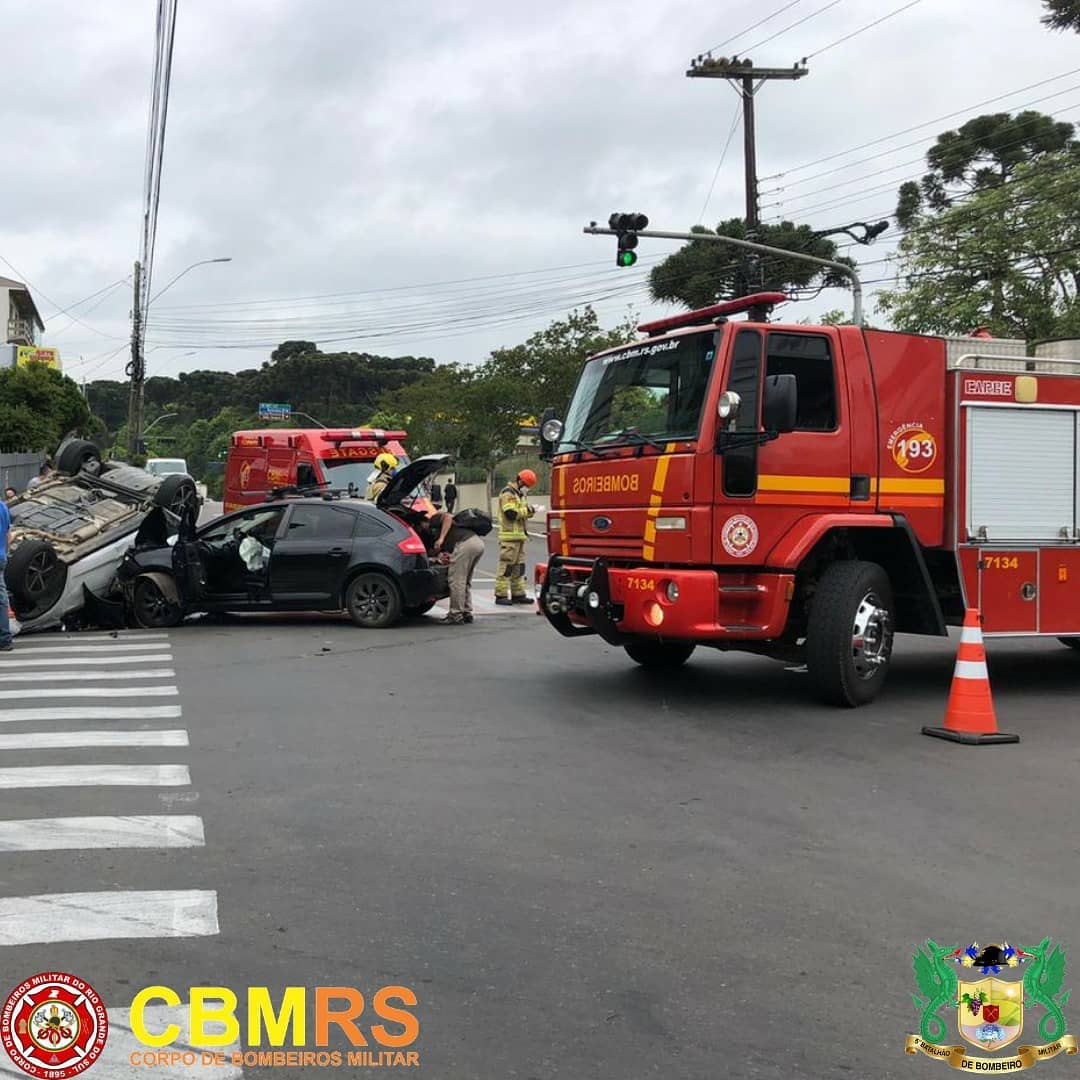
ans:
(650, 391)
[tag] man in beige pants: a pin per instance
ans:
(464, 548)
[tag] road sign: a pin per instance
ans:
(272, 410)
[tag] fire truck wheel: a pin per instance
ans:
(660, 655)
(849, 637)
(1072, 642)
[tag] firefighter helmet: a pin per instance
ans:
(527, 477)
(385, 462)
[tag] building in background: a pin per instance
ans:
(22, 328)
(23, 321)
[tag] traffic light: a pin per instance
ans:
(627, 226)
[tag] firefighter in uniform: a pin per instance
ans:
(386, 463)
(514, 512)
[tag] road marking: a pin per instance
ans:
(36, 641)
(82, 661)
(46, 776)
(102, 647)
(91, 691)
(62, 676)
(106, 916)
(85, 833)
(91, 712)
(66, 740)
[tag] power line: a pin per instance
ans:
(760, 22)
(798, 22)
(53, 303)
(720, 164)
(916, 142)
(862, 29)
(917, 127)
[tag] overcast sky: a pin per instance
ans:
(398, 152)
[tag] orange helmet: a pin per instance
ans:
(527, 477)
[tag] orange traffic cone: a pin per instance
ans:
(969, 716)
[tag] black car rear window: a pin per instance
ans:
(371, 524)
(321, 523)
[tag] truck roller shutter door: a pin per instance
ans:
(1021, 474)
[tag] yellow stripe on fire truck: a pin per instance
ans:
(656, 500)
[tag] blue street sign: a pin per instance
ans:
(271, 410)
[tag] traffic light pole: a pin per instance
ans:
(843, 268)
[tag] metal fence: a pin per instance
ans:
(17, 469)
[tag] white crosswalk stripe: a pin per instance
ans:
(18, 660)
(64, 676)
(484, 604)
(123, 683)
(80, 833)
(90, 712)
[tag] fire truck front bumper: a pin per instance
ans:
(587, 596)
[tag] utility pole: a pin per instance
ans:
(136, 371)
(746, 80)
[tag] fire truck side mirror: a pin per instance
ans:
(551, 429)
(780, 403)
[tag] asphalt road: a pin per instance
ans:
(580, 869)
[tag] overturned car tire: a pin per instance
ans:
(35, 578)
(77, 455)
(176, 493)
(154, 604)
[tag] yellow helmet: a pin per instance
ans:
(386, 461)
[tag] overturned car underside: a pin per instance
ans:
(69, 535)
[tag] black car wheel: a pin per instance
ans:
(35, 577)
(176, 493)
(415, 610)
(373, 601)
(77, 455)
(152, 608)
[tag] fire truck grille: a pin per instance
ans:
(606, 547)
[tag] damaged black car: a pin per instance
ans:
(307, 552)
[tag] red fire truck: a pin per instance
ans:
(260, 461)
(807, 492)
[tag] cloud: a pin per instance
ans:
(330, 147)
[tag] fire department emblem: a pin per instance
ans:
(245, 474)
(54, 1025)
(739, 536)
(990, 1012)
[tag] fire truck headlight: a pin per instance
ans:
(670, 524)
(672, 591)
(727, 408)
(552, 430)
(554, 524)
(593, 600)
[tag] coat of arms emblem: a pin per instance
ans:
(991, 1010)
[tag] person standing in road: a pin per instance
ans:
(464, 548)
(386, 463)
(5, 624)
(514, 513)
(436, 495)
(450, 493)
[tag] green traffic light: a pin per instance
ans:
(627, 258)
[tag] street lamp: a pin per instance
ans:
(163, 416)
(870, 232)
(202, 262)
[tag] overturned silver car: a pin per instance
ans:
(69, 534)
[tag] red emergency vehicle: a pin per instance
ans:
(261, 461)
(806, 492)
